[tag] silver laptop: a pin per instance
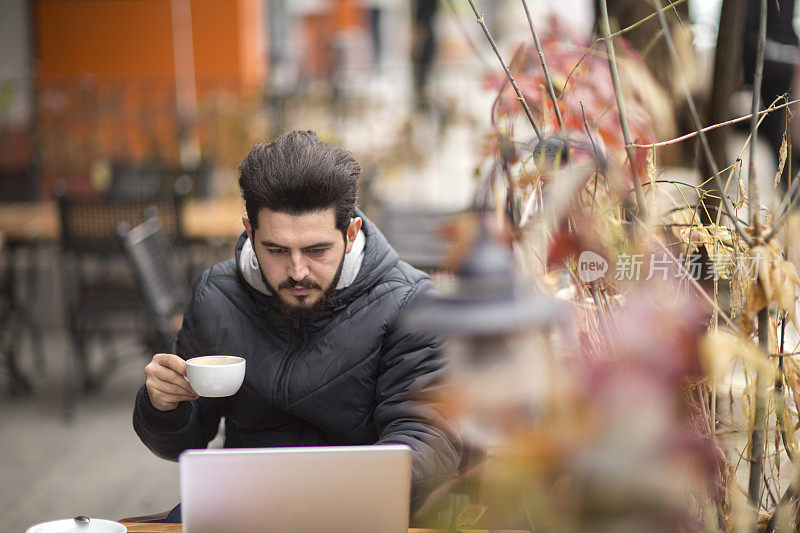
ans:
(349, 489)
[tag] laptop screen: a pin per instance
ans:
(339, 488)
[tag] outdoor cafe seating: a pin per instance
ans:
(103, 306)
(159, 274)
(18, 284)
(100, 292)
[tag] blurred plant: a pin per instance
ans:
(627, 430)
(8, 93)
(582, 83)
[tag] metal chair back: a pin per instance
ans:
(140, 181)
(100, 291)
(18, 184)
(414, 234)
(89, 225)
(158, 272)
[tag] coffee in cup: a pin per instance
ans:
(209, 360)
(215, 376)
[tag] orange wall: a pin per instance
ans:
(106, 77)
(253, 52)
(134, 37)
(104, 37)
(215, 25)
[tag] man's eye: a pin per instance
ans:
(276, 251)
(316, 251)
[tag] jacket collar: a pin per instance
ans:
(247, 264)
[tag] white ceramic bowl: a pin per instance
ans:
(68, 525)
(215, 376)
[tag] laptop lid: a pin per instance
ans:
(332, 489)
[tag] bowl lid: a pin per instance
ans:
(69, 525)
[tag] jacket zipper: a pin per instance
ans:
(280, 398)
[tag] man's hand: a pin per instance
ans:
(165, 382)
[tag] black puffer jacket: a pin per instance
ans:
(347, 376)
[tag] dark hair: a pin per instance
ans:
(297, 173)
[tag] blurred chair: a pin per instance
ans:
(195, 182)
(160, 278)
(18, 284)
(149, 180)
(414, 234)
(15, 319)
(17, 184)
(137, 181)
(101, 294)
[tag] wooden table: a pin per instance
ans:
(176, 528)
(202, 219)
(153, 528)
(24, 226)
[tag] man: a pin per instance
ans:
(312, 301)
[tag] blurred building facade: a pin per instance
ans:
(87, 82)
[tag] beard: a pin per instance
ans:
(303, 311)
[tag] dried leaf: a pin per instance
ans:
(748, 401)
(743, 198)
(786, 292)
(717, 350)
(738, 287)
(696, 234)
(792, 234)
(650, 165)
(773, 336)
(791, 374)
(755, 301)
(791, 439)
(760, 254)
(781, 161)
(682, 218)
(778, 280)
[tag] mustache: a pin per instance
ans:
(305, 283)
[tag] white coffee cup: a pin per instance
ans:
(215, 376)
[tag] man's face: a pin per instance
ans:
(300, 256)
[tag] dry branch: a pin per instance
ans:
(759, 422)
(550, 90)
(729, 211)
(623, 117)
(715, 126)
(521, 98)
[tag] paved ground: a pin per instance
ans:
(94, 466)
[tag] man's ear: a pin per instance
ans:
(248, 228)
(352, 233)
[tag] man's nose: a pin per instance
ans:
(298, 269)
